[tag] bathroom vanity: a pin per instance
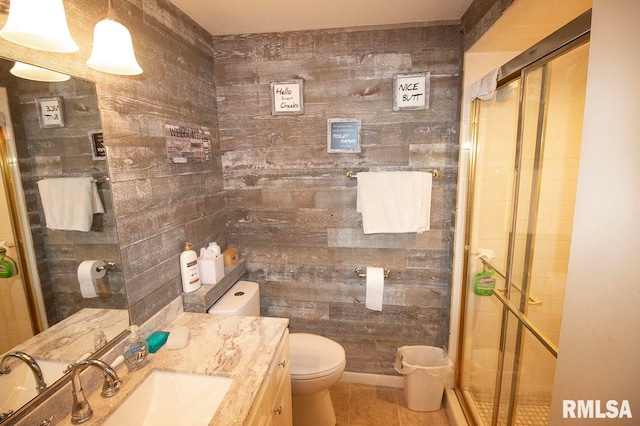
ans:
(251, 352)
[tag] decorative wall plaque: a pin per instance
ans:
(287, 97)
(187, 143)
(411, 91)
(50, 112)
(343, 135)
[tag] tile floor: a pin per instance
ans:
(368, 405)
(526, 415)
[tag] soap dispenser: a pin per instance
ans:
(135, 349)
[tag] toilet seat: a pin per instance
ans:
(314, 356)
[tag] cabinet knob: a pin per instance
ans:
(282, 363)
(278, 410)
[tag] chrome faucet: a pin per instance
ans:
(81, 410)
(5, 368)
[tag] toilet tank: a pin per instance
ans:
(243, 298)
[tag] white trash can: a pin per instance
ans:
(427, 372)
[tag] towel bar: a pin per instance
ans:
(359, 273)
(352, 175)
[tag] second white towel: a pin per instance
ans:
(70, 203)
(394, 202)
(375, 288)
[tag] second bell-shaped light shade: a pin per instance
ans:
(31, 72)
(112, 48)
(39, 24)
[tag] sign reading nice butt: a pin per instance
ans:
(411, 91)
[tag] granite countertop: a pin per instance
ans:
(231, 346)
(72, 337)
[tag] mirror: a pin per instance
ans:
(62, 148)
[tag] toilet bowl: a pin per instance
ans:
(317, 363)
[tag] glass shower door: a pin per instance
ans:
(489, 206)
(520, 227)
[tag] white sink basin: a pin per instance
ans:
(167, 398)
(19, 387)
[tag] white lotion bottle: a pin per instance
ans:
(189, 269)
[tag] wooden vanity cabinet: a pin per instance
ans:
(273, 404)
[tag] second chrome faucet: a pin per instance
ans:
(81, 410)
(5, 368)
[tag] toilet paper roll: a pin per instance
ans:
(88, 273)
(375, 288)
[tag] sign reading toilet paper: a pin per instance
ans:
(89, 272)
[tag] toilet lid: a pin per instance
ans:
(314, 356)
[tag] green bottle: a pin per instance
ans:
(484, 282)
(8, 267)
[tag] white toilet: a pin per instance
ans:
(317, 363)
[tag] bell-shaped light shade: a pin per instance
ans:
(31, 72)
(113, 49)
(39, 24)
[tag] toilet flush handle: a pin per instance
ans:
(283, 363)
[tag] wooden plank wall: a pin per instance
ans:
(291, 209)
(479, 17)
(157, 206)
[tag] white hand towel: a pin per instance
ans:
(484, 88)
(394, 202)
(70, 203)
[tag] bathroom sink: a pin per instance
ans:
(172, 399)
(19, 387)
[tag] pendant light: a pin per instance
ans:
(31, 72)
(112, 47)
(39, 24)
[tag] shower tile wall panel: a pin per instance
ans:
(291, 210)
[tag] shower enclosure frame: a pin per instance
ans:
(574, 34)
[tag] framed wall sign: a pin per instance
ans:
(343, 135)
(97, 145)
(411, 91)
(50, 112)
(287, 97)
(187, 143)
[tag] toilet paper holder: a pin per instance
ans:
(108, 266)
(361, 274)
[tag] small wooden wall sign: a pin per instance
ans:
(343, 135)
(411, 91)
(187, 143)
(97, 145)
(287, 97)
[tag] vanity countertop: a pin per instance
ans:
(232, 346)
(72, 337)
